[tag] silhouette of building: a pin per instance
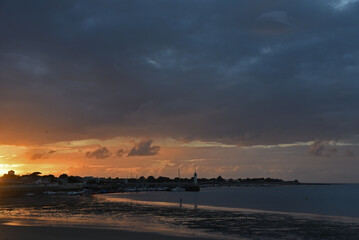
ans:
(11, 172)
(195, 178)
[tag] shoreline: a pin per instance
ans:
(75, 217)
(314, 216)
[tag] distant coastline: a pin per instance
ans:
(35, 183)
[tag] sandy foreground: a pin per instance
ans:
(77, 233)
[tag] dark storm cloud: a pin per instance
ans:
(99, 153)
(245, 72)
(273, 22)
(144, 148)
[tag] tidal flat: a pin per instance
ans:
(94, 212)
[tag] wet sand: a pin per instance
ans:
(88, 217)
(76, 233)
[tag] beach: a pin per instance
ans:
(156, 215)
(79, 233)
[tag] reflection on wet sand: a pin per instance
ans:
(113, 212)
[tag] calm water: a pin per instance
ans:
(334, 200)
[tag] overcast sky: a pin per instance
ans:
(245, 86)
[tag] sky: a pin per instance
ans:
(250, 88)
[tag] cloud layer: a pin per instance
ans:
(243, 72)
(99, 153)
(144, 148)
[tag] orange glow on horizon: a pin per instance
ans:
(70, 157)
(73, 161)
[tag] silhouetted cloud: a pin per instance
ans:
(36, 156)
(100, 153)
(41, 155)
(144, 148)
(120, 152)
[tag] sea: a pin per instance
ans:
(267, 212)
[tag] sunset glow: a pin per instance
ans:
(118, 89)
(179, 119)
